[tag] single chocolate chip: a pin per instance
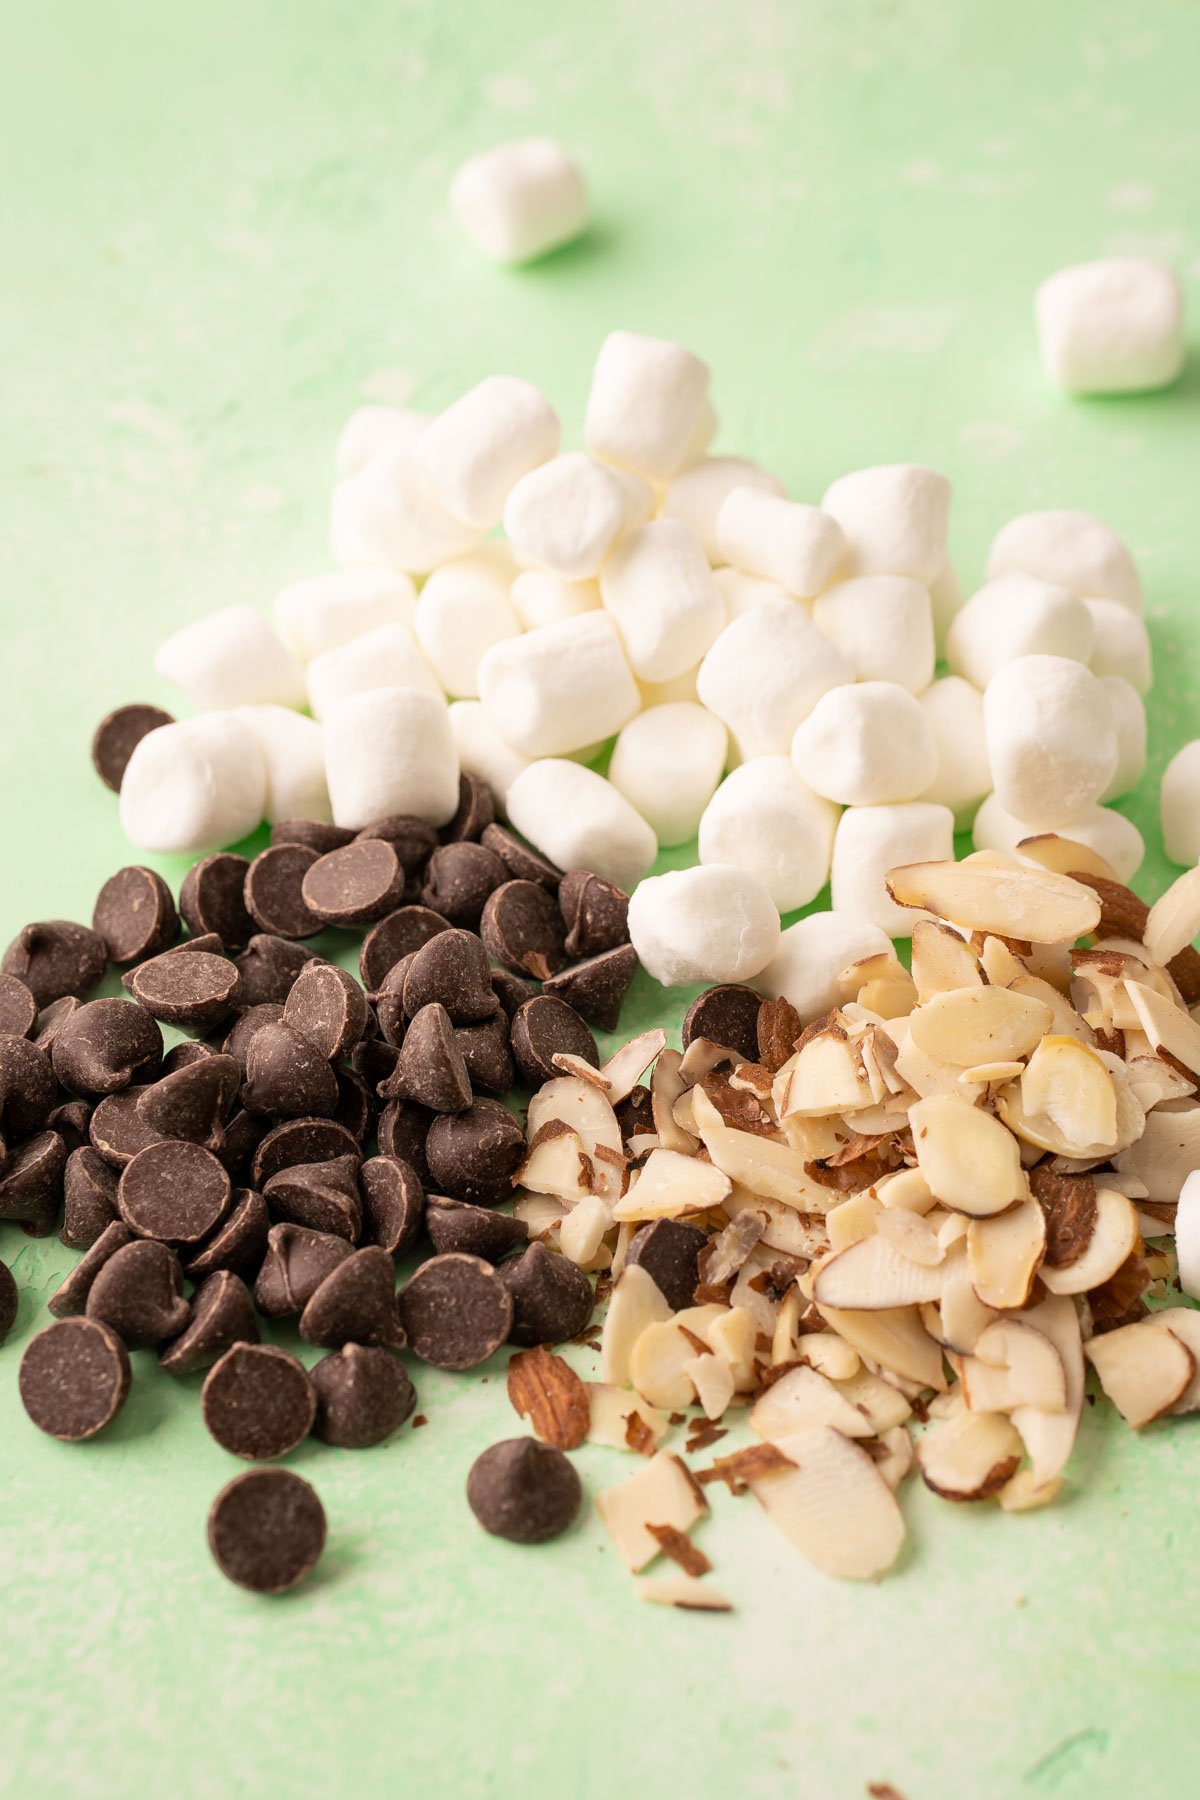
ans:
(193, 989)
(55, 957)
(52, 1018)
(287, 1077)
(597, 988)
(268, 968)
(669, 1251)
(273, 891)
(248, 1021)
(363, 1395)
(456, 1311)
(71, 1120)
(315, 834)
(356, 885)
(208, 943)
(393, 1203)
(139, 1292)
(31, 1183)
(69, 1300)
(388, 1001)
(552, 1298)
(403, 1130)
(522, 928)
(456, 1225)
(522, 863)
(18, 1008)
(300, 1141)
(222, 1315)
(485, 1050)
(74, 1379)
(356, 1108)
(458, 880)
(512, 990)
(726, 1015)
(635, 1114)
(296, 1263)
(394, 938)
(118, 735)
(240, 1138)
(135, 915)
(27, 1089)
(106, 1046)
(176, 1192)
(412, 839)
(475, 812)
(117, 1129)
(90, 1198)
(194, 1101)
(187, 1052)
(452, 970)
(10, 1299)
(238, 1244)
(544, 1028)
(258, 1402)
(524, 1491)
(266, 1530)
(323, 1195)
(595, 913)
(213, 899)
(373, 1059)
(355, 1304)
(327, 1006)
(430, 1068)
(473, 1155)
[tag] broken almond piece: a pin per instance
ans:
(969, 1161)
(1032, 1363)
(979, 1024)
(1185, 1323)
(1174, 919)
(622, 1420)
(802, 1397)
(583, 1230)
(980, 1074)
(548, 1393)
(625, 1068)
(942, 961)
(1173, 1033)
(1066, 1083)
(969, 1457)
(1004, 1254)
(829, 1354)
(733, 1337)
(962, 1316)
(666, 1087)
(825, 1076)
(1114, 1238)
(662, 1492)
(635, 1303)
(833, 1506)
(712, 1378)
(1049, 1436)
(539, 1213)
(852, 1220)
(893, 1456)
(1064, 856)
(873, 1275)
(1020, 1494)
(657, 1366)
(581, 1107)
(896, 1341)
(1145, 1369)
(682, 1591)
(671, 1185)
(1031, 904)
(880, 1402)
(765, 1167)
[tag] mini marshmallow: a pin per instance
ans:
(658, 587)
(482, 751)
(1109, 833)
(807, 966)
(800, 547)
(647, 401)
(714, 923)
(560, 688)
(765, 673)
(1129, 722)
(567, 515)
(1121, 646)
(231, 658)
(703, 432)
(1070, 549)
(385, 515)
(1051, 739)
(293, 754)
(390, 750)
(580, 821)
(1111, 327)
(668, 693)
(388, 657)
(327, 611)
(539, 598)
(894, 518)
(698, 494)
(667, 762)
(954, 710)
(741, 593)
(873, 839)
(195, 785)
(866, 745)
(1017, 615)
(464, 609)
(1179, 798)
(520, 200)
(473, 454)
(370, 429)
(765, 820)
(946, 597)
(883, 626)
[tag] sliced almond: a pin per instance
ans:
(970, 1457)
(873, 1275)
(1068, 1084)
(579, 1106)
(1166, 1152)
(625, 1068)
(1185, 1323)
(539, 1213)
(1049, 1436)
(981, 1074)
(636, 1302)
(882, 1403)
(546, 1391)
(1067, 1022)
(582, 1231)
(1064, 856)
(1145, 1369)
(765, 1167)
(802, 1397)
(1005, 1253)
(1154, 1081)
(833, 1506)
(690, 1593)
(658, 1366)
(826, 1077)
(622, 1420)
(1032, 1362)
(1022, 1495)
(1000, 963)
(979, 1024)
(662, 1492)
(1174, 1034)
(784, 1338)
(852, 1220)
(893, 1456)
(907, 1190)
(1174, 919)
(963, 1316)
(969, 1161)
(666, 1086)
(829, 1354)
(896, 1341)
(670, 1186)
(924, 1074)
(942, 961)
(1031, 904)
(733, 1337)
(712, 1378)
(1114, 1238)
(889, 996)
(913, 1235)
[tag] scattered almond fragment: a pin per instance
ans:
(662, 1492)
(682, 1591)
(1145, 1369)
(547, 1392)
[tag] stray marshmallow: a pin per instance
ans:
(561, 688)
(800, 547)
(520, 200)
(473, 454)
(647, 406)
(464, 609)
(385, 515)
(539, 598)
(1071, 550)
(1111, 327)
(954, 710)
(195, 785)
(667, 762)
(327, 611)
(894, 518)
(1121, 644)
(765, 820)
(808, 963)
(482, 751)
(1108, 833)
(387, 751)
(866, 745)
(697, 495)
(741, 593)
(580, 821)
(388, 657)
(567, 515)
(1129, 723)
(231, 658)
(765, 673)
(1180, 804)
(1051, 739)
(1017, 615)
(714, 923)
(370, 429)
(658, 587)
(293, 754)
(873, 839)
(946, 597)
(883, 626)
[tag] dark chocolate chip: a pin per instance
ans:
(373, 1059)
(105, 1046)
(31, 1183)
(118, 735)
(18, 1008)
(669, 1251)
(240, 1138)
(552, 1298)
(474, 1155)
(27, 1090)
(315, 834)
(287, 1077)
(725, 1015)
(522, 928)
(266, 1530)
(222, 1315)
(546, 1027)
(524, 1491)
(485, 1050)
(69, 1300)
(323, 1195)
(268, 967)
(388, 1002)
(74, 1378)
(327, 1006)
(597, 988)
(248, 1021)
(117, 1129)
(187, 1052)
(412, 839)
(10, 1299)
(194, 1101)
(71, 1120)
(296, 1263)
(512, 990)
(355, 1304)
(273, 891)
(595, 913)
(51, 1020)
(476, 811)
(139, 1293)
(176, 1192)
(393, 1203)
(522, 863)
(430, 1068)
(403, 1130)
(393, 938)
(90, 1198)
(258, 1402)
(356, 885)
(456, 1225)
(135, 915)
(458, 880)
(363, 1395)
(193, 989)
(635, 1114)
(300, 1141)
(55, 957)
(451, 969)
(238, 1244)
(456, 1311)
(356, 1108)
(213, 899)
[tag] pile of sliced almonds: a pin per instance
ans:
(936, 1204)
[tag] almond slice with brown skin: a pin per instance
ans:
(666, 1086)
(1174, 1034)
(689, 1592)
(1068, 1084)
(1021, 1494)
(1064, 856)
(636, 1302)
(803, 1397)
(1174, 919)
(1185, 1323)
(942, 961)
(834, 1506)
(662, 1492)
(1004, 1254)
(622, 1420)
(969, 1457)
(1145, 1369)
(1049, 1436)
(896, 1341)
(1027, 1359)
(826, 1076)
(873, 1275)
(581, 1107)
(979, 1024)
(671, 1185)
(625, 1068)
(1114, 1238)
(1031, 904)
(969, 1161)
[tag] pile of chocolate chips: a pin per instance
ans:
(306, 1133)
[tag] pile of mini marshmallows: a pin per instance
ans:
(766, 668)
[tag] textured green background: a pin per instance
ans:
(224, 224)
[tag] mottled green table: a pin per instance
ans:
(225, 224)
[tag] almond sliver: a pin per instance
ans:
(1033, 904)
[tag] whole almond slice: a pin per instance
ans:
(1031, 904)
(979, 1024)
(970, 1457)
(1050, 1436)
(896, 1341)
(873, 1275)
(970, 1162)
(671, 1185)
(733, 1337)
(1032, 1363)
(1068, 1084)
(1114, 1238)
(1145, 1369)
(833, 1506)
(1174, 919)
(1004, 1254)
(1065, 856)
(1174, 1034)
(636, 1302)
(662, 1492)
(803, 1397)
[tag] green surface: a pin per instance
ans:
(224, 225)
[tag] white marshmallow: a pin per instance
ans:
(646, 404)
(464, 609)
(473, 454)
(539, 598)
(709, 924)
(698, 494)
(1051, 739)
(668, 693)
(1111, 327)
(1017, 615)
(867, 745)
(667, 762)
(1070, 549)
(1180, 803)
(765, 820)
(390, 750)
(765, 673)
(1109, 833)
(741, 593)
(580, 821)
(195, 785)
(946, 597)
(370, 429)
(388, 657)
(293, 754)
(482, 751)
(894, 518)
(1129, 722)
(703, 432)
(327, 611)
(385, 514)
(520, 200)
(883, 626)
(567, 515)
(560, 688)
(800, 547)
(873, 839)
(811, 956)
(231, 658)
(1121, 646)
(964, 776)
(658, 587)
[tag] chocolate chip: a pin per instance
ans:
(315, 834)
(188, 1051)
(250, 1020)
(268, 967)
(55, 957)
(90, 1197)
(355, 1304)
(522, 863)
(135, 915)
(403, 1130)
(71, 1120)
(456, 1311)
(522, 928)
(595, 912)
(546, 1027)
(323, 1196)
(300, 1141)
(69, 1300)
(26, 1089)
(238, 1244)
(388, 1002)
(394, 938)
(458, 880)
(430, 1068)
(486, 1053)
(266, 1530)
(213, 899)
(273, 891)
(597, 988)
(524, 1491)
(725, 1015)
(635, 1114)
(258, 1402)
(512, 990)
(287, 1077)
(10, 1299)
(373, 1059)
(240, 1138)
(139, 1292)
(669, 1251)
(356, 1107)
(355, 885)
(105, 1046)
(296, 1263)
(18, 1008)
(118, 1130)
(52, 1018)
(193, 1102)
(456, 1225)
(74, 1379)
(118, 735)
(193, 989)
(222, 1315)
(473, 1155)
(393, 1203)
(451, 970)
(31, 1183)
(475, 812)
(552, 1298)
(412, 839)
(363, 1395)
(176, 1192)
(327, 1006)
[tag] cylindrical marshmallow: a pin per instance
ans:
(1051, 741)
(954, 710)
(667, 763)
(520, 200)
(1121, 644)
(647, 399)
(765, 820)
(293, 754)
(473, 454)
(811, 956)
(873, 839)
(1129, 722)
(658, 587)
(388, 657)
(1180, 801)
(697, 495)
(231, 658)
(1103, 830)
(894, 519)
(195, 785)
(580, 821)
(883, 626)
(327, 611)
(567, 515)
(482, 751)
(464, 609)
(800, 547)
(714, 923)
(866, 745)
(1017, 615)
(558, 689)
(539, 598)
(765, 673)
(669, 693)
(389, 751)
(741, 593)
(370, 429)
(1070, 549)
(1111, 327)
(385, 514)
